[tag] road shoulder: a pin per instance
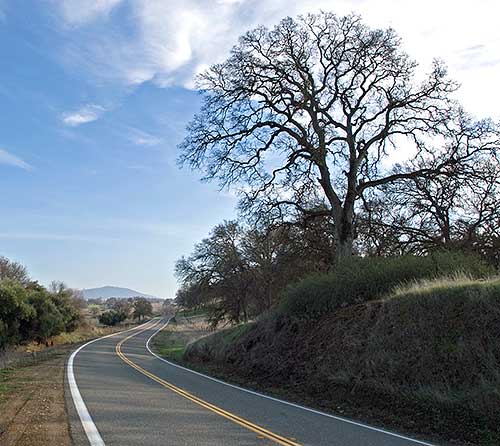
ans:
(32, 405)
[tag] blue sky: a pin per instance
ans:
(95, 96)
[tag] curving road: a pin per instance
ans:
(120, 394)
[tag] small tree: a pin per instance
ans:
(123, 306)
(304, 118)
(141, 308)
(68, 302)
(13, 271)
(238, 273)
(218, 275)
(94, 310)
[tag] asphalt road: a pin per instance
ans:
(135, 398)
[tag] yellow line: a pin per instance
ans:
(223, 413)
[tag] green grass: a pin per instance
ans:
(233, 333)
(215, 345)
(174, 352)
(192, 313)
(170, 344)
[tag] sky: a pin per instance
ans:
(94, 99)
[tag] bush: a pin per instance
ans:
(46, 320)
(14, 310)
(71, 316)
(112, 317)
(68, 303)
(358, 280)
(28, 311)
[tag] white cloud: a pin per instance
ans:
(172, 41)
(13, 160)
(87, 113)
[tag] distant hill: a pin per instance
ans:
(106, 292)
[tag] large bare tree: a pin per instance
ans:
(305, 118)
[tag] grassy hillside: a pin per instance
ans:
(428, 354)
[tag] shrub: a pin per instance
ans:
(46, 321)
(358, 280)
(68, 302)
(14, 310)
(111, 317)
(94, 310)
(28, 311)
(70, 313)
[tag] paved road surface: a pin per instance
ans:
(126, 396)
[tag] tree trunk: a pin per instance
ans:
(344, 233)
(343, 248)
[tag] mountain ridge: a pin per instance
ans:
(108, 291)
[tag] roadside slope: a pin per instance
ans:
(426, 359)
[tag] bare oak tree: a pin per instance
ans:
(304, 118)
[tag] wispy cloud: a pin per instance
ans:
(78, 12)
(477, 56)
(85, 114)
(13, 160)
(172, 41)
(142, 138)
(46, 236)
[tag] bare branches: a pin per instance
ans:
(237, 273)
(458, 208)
(304, 114)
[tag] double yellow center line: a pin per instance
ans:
(223, 413)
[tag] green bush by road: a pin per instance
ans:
(29, 312)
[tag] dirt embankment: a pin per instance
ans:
(426, 361)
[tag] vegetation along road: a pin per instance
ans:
(120, 393)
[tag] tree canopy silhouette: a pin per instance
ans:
(306, 117)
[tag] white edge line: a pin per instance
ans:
(88, 424)
(288, 403)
